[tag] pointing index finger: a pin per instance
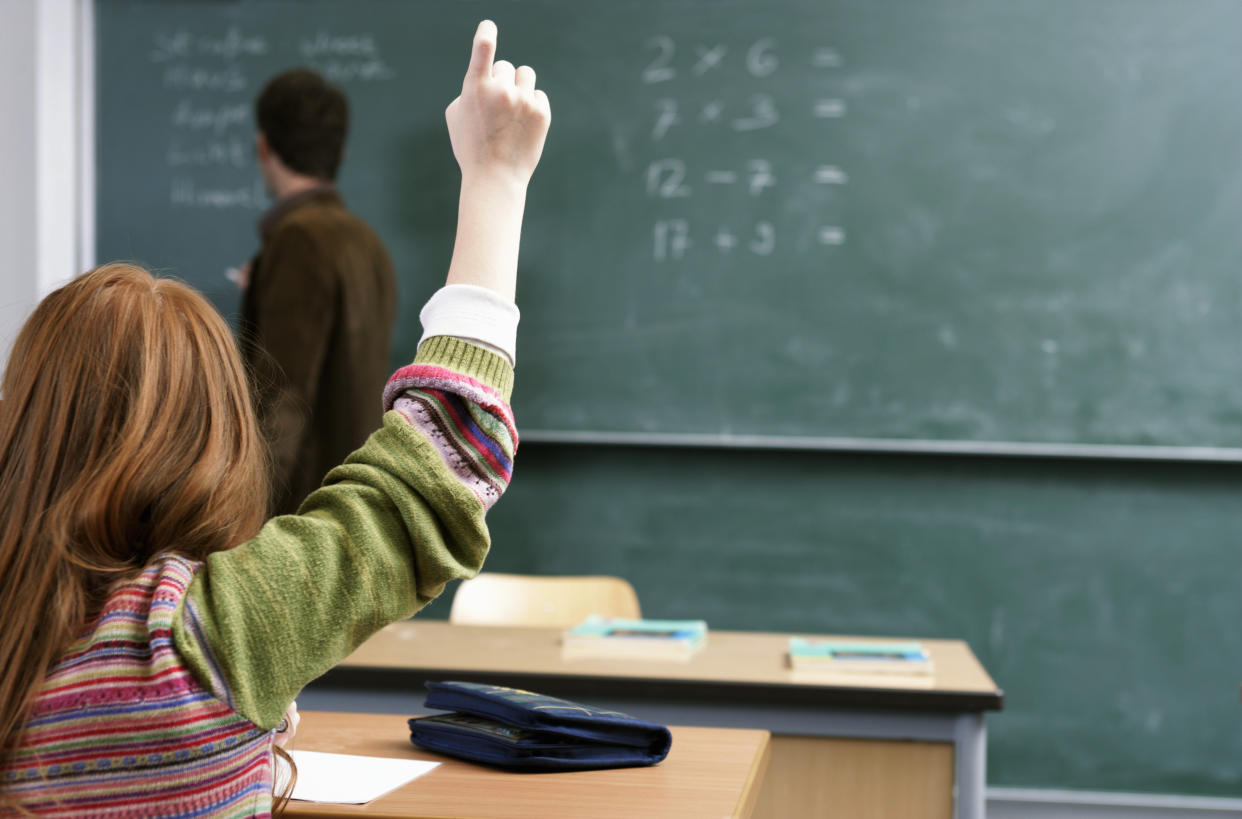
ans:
(484, 51)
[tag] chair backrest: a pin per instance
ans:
(493, 599)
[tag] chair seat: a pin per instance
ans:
(495, 599)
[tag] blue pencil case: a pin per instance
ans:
(523, 730)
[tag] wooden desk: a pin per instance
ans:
(710, 772)
(876, 747)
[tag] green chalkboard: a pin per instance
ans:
(960, 220)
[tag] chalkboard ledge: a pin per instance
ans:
(914, 446)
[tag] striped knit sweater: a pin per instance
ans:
(166, 705)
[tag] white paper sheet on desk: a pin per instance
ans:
(348, 779)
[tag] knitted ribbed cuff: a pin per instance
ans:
(469, 360)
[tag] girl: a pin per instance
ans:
(152, 635)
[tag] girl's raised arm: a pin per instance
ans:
(405, 514)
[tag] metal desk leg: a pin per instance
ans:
(970, 759)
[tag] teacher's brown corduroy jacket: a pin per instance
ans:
(317, 319)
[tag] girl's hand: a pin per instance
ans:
(499, 122)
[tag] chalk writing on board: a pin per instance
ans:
(666, 178)
(761, 177)
(347, 58)
(216, 118)
(709, 57)
(184, 77)
(829, 109)
(660, 69)
(764, 241)
(672, 239)
(210, 143)
(831, 235)
(231, 45)
(830, 175)
(327, 44)
(760, 59)
(186, 193)
(762, 113)
(687, 105)
(340, 71)
(233, 153)
(665, 119)
(827, 58)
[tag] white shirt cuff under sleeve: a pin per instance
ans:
(475, 314)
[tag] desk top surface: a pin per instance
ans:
(709, 772)
(733, 664)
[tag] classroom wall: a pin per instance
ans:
(17, 151)
(44, 202)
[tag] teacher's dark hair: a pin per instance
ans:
(305, 120)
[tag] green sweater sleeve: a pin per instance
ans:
(388, 529)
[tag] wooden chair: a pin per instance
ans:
(493, 599)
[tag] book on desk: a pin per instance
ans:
(852, 657)
(622, 638)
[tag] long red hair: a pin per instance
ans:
(126, 430)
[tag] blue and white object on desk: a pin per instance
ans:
(512, 728)
(621, 638)
(845, 656)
